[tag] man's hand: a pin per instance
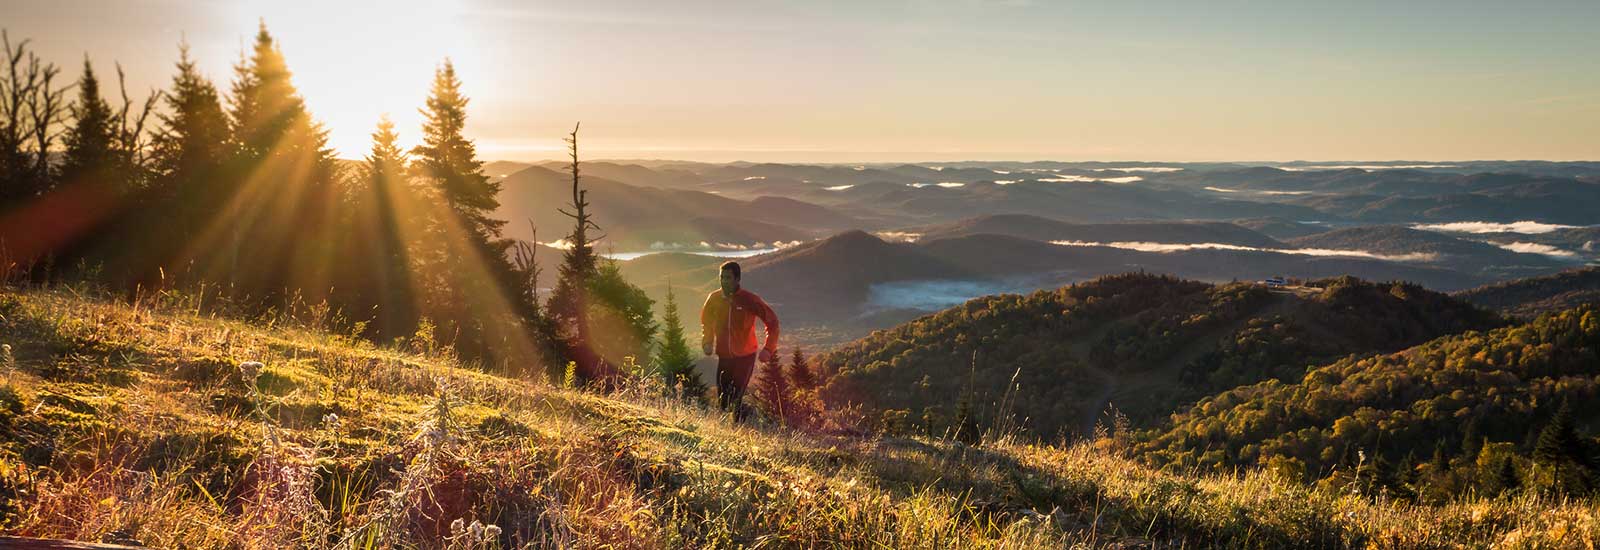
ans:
(764, 356)
(706, 348)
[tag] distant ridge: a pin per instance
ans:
(1534, 296)
(1046, 229)
(832, 276)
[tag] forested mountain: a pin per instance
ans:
(1453, 398)
(1530, 297)
(1144, 343)
(855, 282)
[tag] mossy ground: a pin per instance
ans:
(134, 423)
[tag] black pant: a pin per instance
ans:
(733, 376)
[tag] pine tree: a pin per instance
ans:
(191, 148)
(381, 189)
(269, 117)
(965, 423)
(1408, 469)
(1560, 447)
(1471, 440)
(800, 371)
(624, 310)
(288, 178)
(673, 358)
(1509, 481)
(568, 306)
(91, 156)
(450, 161)
(772, 389)
(1559, 440)
(268, 114)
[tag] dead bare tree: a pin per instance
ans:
(524, 259)
(32, 113)
(132, 139)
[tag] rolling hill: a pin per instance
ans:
(1148, 344)
(1534, 296)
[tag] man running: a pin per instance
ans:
(728, 328)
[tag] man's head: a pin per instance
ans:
(730, 278)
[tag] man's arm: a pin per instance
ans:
(770, 319)
(707, 330)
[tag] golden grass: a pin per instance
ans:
(134, 423)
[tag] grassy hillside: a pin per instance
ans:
(1144, 343)
(138, 423)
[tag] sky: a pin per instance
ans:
(904, 80)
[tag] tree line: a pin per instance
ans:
(237, 197)
(238, 194)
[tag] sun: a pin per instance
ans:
(355, 62)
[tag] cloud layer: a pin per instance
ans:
(1174, 247)
(1536, 248)
(1526, 227)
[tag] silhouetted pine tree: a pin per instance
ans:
(800, 371)
(673, 358)
(287, 174)
(91, 158)
(106, 157)
(965, 424)
(1560, 447)
(191, 148)
(1471, 440)
(378, 245)
(1507, 476)
(1407, 474)
(450, 163)
(269, 119)
(772, 389)
(469, 283)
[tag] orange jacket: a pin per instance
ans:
(732, 323)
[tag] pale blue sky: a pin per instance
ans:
(909, 80)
